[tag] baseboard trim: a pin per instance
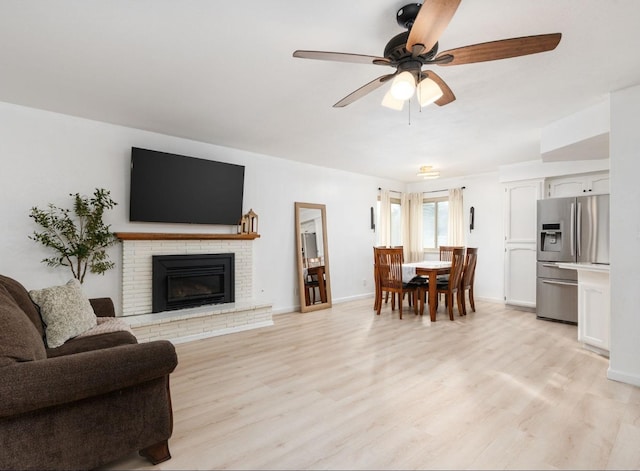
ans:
(623, 377)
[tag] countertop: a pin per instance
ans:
(596, 267)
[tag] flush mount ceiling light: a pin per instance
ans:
(428, 174)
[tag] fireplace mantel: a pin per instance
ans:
(182, 236)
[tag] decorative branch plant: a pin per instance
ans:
(80, 239)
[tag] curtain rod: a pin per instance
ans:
(438, 191)
(432, 191)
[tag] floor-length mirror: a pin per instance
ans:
(314, 283)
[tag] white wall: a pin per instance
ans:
(625, 236)
(46, 156)
(486, 194)
(538, 169)
(565, 138)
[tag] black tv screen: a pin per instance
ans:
(176, 188)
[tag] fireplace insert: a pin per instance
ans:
(182, 281)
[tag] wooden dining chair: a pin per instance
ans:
(388, 265)
(468, 277)
(379, 293)
(446, 251)
(453, 285)
(315, 279)
(446, 254)
(376, 278)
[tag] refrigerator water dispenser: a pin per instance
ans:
(551, 238)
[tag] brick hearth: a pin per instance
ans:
(188, 324)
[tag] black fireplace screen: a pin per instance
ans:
(181, 281)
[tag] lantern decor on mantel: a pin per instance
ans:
(248, 223)
(253, 222)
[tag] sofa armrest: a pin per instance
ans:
(103, 307)
(33, 385)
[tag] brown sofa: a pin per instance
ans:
(85, 403)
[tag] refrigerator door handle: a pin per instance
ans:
(579, 229)
(564, 283)
(572, 232)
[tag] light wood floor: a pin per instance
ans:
(346, 389)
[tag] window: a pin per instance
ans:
(435, 221)
(396, 222)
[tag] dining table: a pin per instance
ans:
(431, 269)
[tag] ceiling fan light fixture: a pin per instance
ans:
(390, 102)
(428, 91)
(403, 86)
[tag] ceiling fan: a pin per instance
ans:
(407, 52)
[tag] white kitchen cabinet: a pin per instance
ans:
(594, 305)
(578, 185)
(594, 309)
(520, 274)
(520, 248)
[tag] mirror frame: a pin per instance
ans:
(300, 263)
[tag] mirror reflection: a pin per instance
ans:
(312, 257)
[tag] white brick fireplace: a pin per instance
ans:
(193, 323)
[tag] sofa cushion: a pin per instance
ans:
(65, 311)
(110, 332)
(24, 302)
(107, 325)
(92, 343)
(19, 338)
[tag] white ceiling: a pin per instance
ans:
(223, 72)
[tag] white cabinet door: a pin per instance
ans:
(594, 309)
(565, 187)
(520, 210)
(520, 274)
(599, 184)
(578, 185)
(520, 241)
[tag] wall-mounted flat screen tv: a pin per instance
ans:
(176, 188)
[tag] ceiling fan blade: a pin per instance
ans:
(502, 49)
(432, 19)
(341, 57)
(364, 90)
(447, 95)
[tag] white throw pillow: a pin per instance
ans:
(65, 310)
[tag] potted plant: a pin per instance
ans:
(79, 238)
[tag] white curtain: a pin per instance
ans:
(384, 219)
(456, 217)
(412, 227)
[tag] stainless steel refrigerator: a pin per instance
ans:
(569, 230)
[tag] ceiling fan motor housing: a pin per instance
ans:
(407, 14)
(396, 50)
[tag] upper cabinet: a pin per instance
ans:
(577, 185)
(520, 210)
